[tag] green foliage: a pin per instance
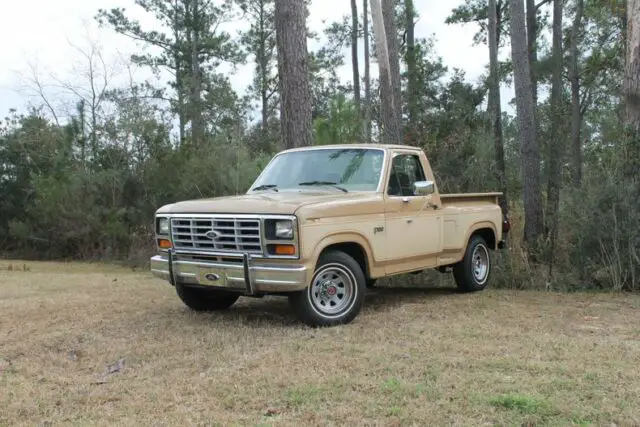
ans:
(65, 201)
(342, 126)
(476, 11)
(89, 187)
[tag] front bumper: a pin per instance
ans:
(238, 272)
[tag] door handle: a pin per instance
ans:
(405, 200)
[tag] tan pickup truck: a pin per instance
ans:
(320, 225)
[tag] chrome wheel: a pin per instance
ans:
(333, 290)
(480, 263)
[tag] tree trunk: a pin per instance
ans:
(532, 47)
(556, 144)
(632, 93)
(293, 66)
(195, 80)
(412, 83)
(180, 99)
(354, 55)
(526, 125)
(393, 49)
(495, 107)
(576, 115)
(263, 64)
(388, 105)
(367, 73)
(632, 77)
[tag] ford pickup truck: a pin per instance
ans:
(321, 224)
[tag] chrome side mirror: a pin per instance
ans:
(423, 188)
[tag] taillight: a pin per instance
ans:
(506, 226)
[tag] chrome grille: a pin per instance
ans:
(233, 234)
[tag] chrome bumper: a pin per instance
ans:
(246, 275)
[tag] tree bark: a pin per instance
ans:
(367, 73)
(556, 144)
(193, 40)
(495, 108)
(390, 117)
(532, 47)
(530, 150)
(576, 116)
(410, 58)
(263, 63)
(354, 55)
(293, 66)
(393, 48)
(632, 75)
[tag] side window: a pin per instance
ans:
(405, 170)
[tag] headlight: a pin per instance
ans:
(163, 226)
(284, 229)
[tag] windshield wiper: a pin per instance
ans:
(266, 187)
(333, 184)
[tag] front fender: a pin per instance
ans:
(343, 237)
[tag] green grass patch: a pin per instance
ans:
(523, 404)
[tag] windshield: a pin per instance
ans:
(352, 169)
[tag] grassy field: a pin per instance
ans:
(427, 356)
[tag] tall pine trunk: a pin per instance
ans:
(263, 64)
(354, 55)
(632, 94)
(393, 49)
(411, 60)
(556, 144)
(532, 47)
(632, 75)
(193, 40)
(525, 106)
(495, 107)
(389, 104)
(576, 115)
(367, 72)
(293, 66)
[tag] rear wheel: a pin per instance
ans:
(199, 299)
(472, 273)
(336, 292)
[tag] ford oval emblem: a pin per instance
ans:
(213, 234)
(212, 277)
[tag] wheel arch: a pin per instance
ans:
(487, 231)
(354, 245)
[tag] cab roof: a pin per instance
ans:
(374, 146)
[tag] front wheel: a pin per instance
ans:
(336, 292)
(472, 273)
(199, 299)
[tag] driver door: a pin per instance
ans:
(413, 222)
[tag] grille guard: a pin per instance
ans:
(246, 264)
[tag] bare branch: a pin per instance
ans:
(40, 91)
(542, 3)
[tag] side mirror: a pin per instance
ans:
(423, 188)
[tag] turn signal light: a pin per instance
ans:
(285, 250)
(164, 243)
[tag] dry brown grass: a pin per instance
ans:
(428, 357)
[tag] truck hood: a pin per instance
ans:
(280, 203)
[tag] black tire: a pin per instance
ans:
(344, 276)
(468, 273)
(199, 299)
